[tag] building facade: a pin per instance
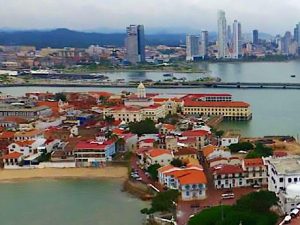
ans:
(192, 47)
(135, 44)
(222, 36)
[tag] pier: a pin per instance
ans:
(242, 85)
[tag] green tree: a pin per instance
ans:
(177, 163)
(153, 171)
(260, 151)
(146, 126)
(109, 119)
(242, 146)
(164, 201)
(60, 96)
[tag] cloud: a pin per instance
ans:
(274, 16)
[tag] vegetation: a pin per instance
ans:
(260, 151)
(153, 171)
(177, 163)
(218, 133)
(60, 96)
(163, 202)
(242, 146)
(146, 126)
(252, 209)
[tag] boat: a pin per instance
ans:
(168, 75)
(293, 76)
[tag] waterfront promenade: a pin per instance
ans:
(163, 85)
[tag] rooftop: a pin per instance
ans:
(190, 103)
(286, 165)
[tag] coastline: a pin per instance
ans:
(119, 172)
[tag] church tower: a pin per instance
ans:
(141, 91)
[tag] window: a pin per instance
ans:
(187, 193)
(290, 180)
(295, 179)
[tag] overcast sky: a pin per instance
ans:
(272, 16)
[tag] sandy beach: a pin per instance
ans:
(21, 174)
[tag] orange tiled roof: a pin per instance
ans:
(28, 133)
(165, 168)
(13, 155)
(24, 143)
(186, 151)
(15, 119)
(7, 135)
(254, 162)
(169, 126)
(208, 150)
(228, 169)
(155, 152)
(193, 177)
(194, 133)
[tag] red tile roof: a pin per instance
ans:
(254, 162)
(190, 103)
(194, 133)
(185, 151)
(24, 143)
(7, 135)
(13, 155)
(193, 177)
(155, 152)
(86, 145)
(228, 169)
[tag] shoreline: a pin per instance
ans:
(15, 175)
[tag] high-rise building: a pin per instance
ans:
(255, 37)
(222, 37)
(192, 47)
(286, 42)
(204, 44)
(237, 40)
(297, 33)
(135, 44)
(229, 37)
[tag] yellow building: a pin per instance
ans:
(229, 110)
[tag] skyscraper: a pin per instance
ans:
(135, 44)
(255, 37)
(222, 37)
(237, 40)
(286, 42)
(297, 33)
(204, 44)
(192, 47)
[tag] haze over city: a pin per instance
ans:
(163, 15)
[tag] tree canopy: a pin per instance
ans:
(260, 151)
(163, 202)
(146, 126)
(242, 146)
(153, 171)
(251, 209)
(60, 96)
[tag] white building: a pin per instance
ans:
(237, 40)
(191, 181)
(204, 44)
(228, 140)
(228, 176)
(192, 47)
(255, 171)
(282, 172)
(222, 37)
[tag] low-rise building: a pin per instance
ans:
(93, 153)
(228, 176)
(255, 171)
(12, 159)
(162, 157)
(282, 172)
(229, 110)
(191, 181)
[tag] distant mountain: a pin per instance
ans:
(68, 38)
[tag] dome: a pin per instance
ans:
(293, 190)
(141, 86)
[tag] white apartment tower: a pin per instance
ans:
(222, 36)
(192, 47)
(204, 44)
(237, 40)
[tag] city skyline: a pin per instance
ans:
(48, 14)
